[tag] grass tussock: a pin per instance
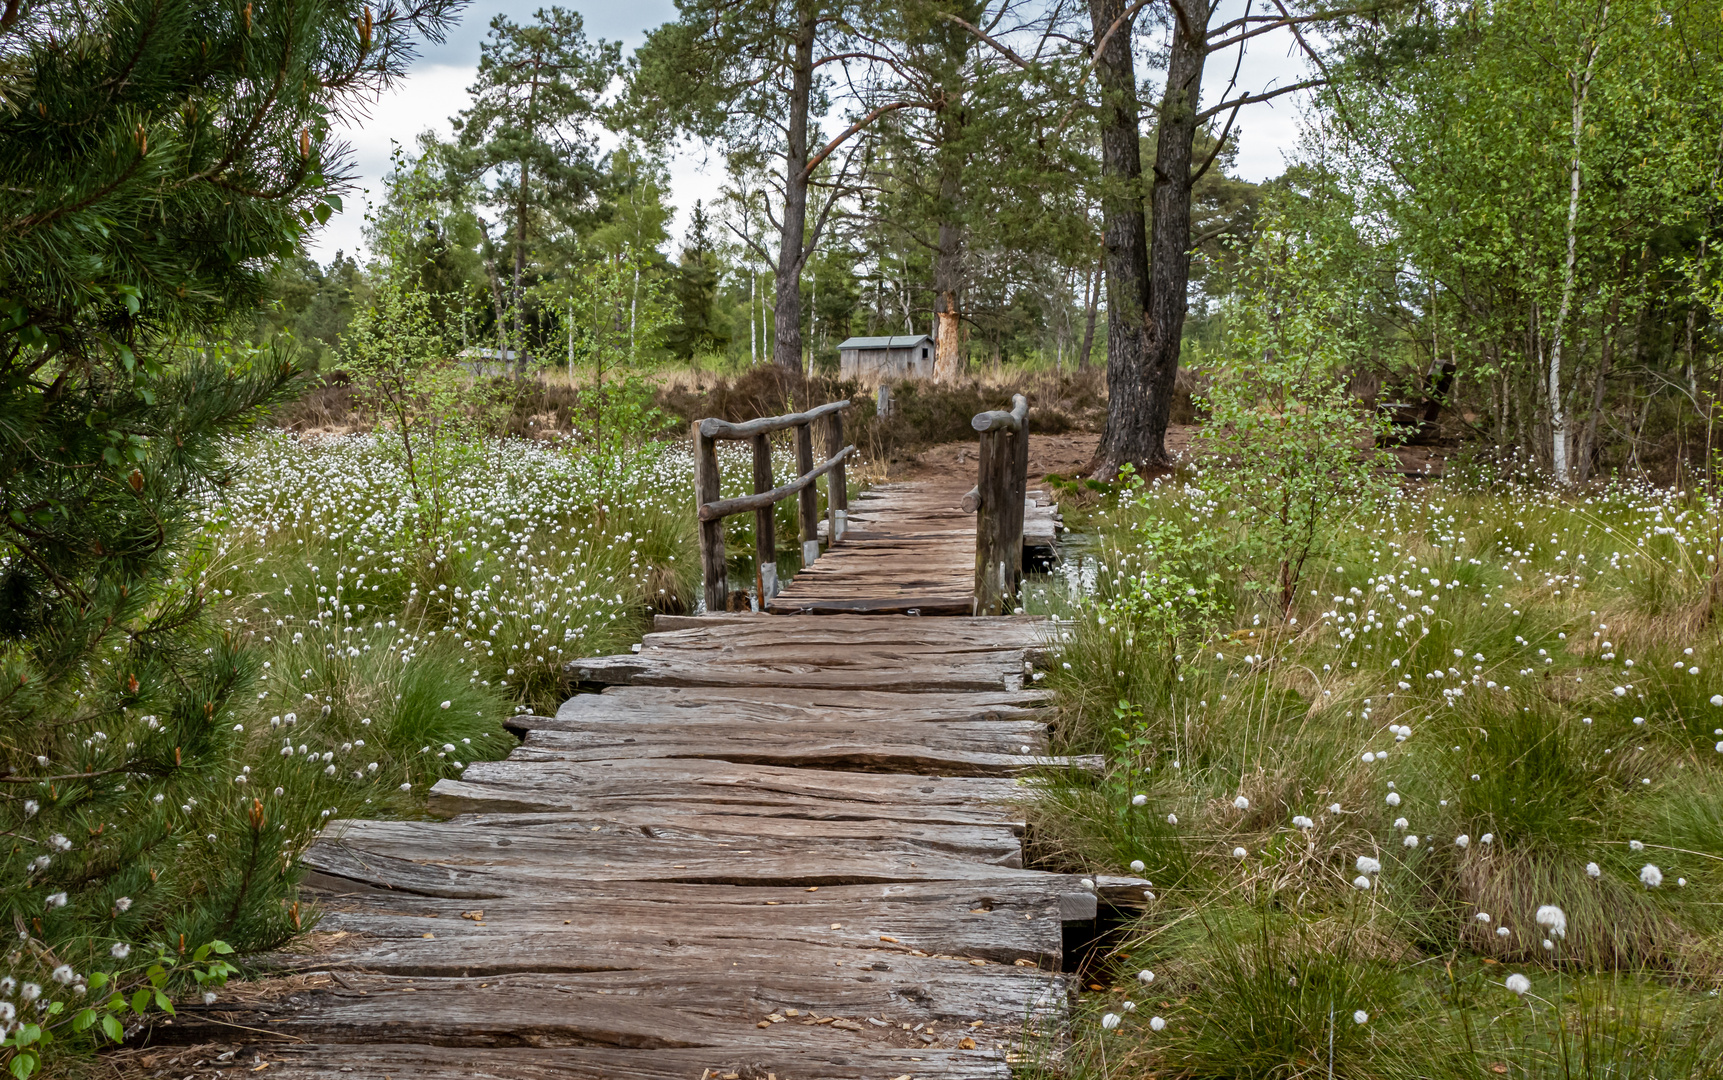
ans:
(1483, 704)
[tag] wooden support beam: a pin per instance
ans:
(808, 498)
(706, 490)
(765, 526)
(837, 483)
(998, 498)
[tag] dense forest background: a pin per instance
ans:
(1497, 224)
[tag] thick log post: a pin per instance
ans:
(808, 500)
(837, 482)
(1019, 496)
(765, 526)
(711, 532)
(993, 587)
(1000, 487)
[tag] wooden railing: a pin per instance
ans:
(712, 510)
(997, 499)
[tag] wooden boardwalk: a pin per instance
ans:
(775, 848)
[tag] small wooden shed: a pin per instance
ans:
(873, 358)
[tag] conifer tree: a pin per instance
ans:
(156, 158)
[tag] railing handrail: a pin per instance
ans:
(1001, 485)
(710, 510)
(714, 428)
(723, 508)
(999, 420)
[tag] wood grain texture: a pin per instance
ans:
(774, 846)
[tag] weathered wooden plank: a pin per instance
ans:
(482, 861)
(862, 668)
(537, 789)
(649, 781)
(585, 927)
(408, 1061)
(680, 705)
(851, 750)
(991, 842)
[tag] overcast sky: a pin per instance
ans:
(436, 89)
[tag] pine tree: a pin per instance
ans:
(698, 328)
(156, 158)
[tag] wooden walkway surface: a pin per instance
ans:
(775, 848)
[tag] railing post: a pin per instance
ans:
(706, 490)
(765, 525)
(1019, 493)
(808, 499)
(837, 483)
(993, 592)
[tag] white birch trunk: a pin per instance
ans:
(1558, 411)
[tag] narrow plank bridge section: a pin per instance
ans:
(773, 847)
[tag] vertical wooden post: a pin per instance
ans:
(1019, 493)
(711, 532)
(808, 499)
(765, 524)
(837, 483)
(993, 586)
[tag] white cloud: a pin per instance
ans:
(425, 100)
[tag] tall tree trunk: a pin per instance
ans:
(948, 259)
(1091, 301)
(1558, 415)
(519, 267)
(1170, 213)
(1125, 241)
(787, 307)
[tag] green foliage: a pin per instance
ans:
(1451, 696)
(133, 990)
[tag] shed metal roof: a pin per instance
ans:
(900, 342)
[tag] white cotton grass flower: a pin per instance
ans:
(1518, 983)
(1553, 919)
(1410, 841)
(1172, 819)
(29, 992)
(1137, 866)
(1145, 976)
(209, 997)
(1334, 808)
(1462, 841)
(1109, 1021)
(1393, 798)
(119, 950)
(1593, 870)
(63, 975)
(1367, 865)
(1239, 853)
(1502, 931)
(1482, 916)
(1127, 1006)
(1299, 821)
(1361, 882)
(1651, 875)
(1487, 838)
(1717, 699)
(1402, 824)
(57, 900)
(1157, 1024)
(1139, 800)
(445, 704)
(1360, 1017)
(1241, 803)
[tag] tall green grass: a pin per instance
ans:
(1503, 696)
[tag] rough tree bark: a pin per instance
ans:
(948, 259)
(787, 303)
(1170, 210)
(1124, 242)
